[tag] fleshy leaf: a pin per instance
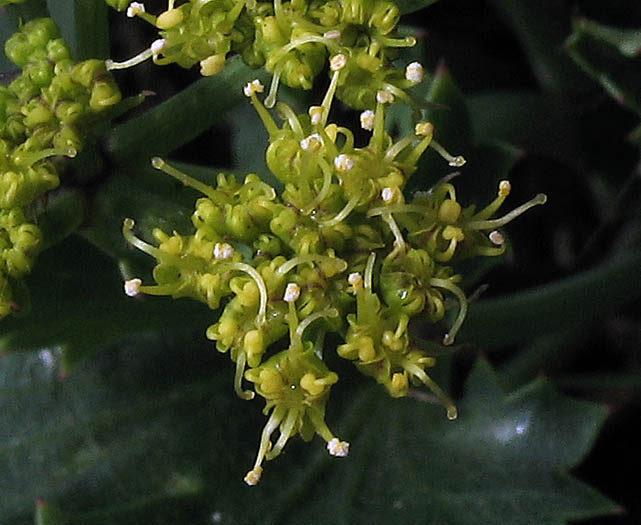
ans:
(610, 56)
(150, 431)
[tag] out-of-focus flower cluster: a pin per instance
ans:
(45, 113)
(292, 40)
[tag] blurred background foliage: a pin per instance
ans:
(115, 410)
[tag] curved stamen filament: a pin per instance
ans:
(292, 119)
(312, 257)
(31, 157)
(347, 209)
(270, 99)
(541, 198)
(272, 424)
(329, 96)
(127, 232)
(324, 191)
(269, 123)
(399, 241)
(369, 270)
(420, 374)
(133, 61)
(460, 295)
(260, 283)
(203, 188)
(241, 360)
(297, 340)
(453, 161)
(286, 428)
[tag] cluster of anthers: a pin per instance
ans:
(45, 112)
(338, 251)
(292, 40)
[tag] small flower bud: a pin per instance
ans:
(338, 448)
(292, 293)
(368, 118)
(212, 65)
(414, 72)
(343, 163)
(132, 287)
(255, 86)
(170, 18)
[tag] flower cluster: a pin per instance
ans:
(292, 40)
(339, 251)
(45, 113)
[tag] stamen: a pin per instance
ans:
(312, 257)
(135, 8)
(420, 374)
(384, 97)
(316, 114)
(496, 237)
(414, 72)
(399, 241)
(368, 119)
(132, 287)
(223, 251)
(334, 34)
(297, 340)
(369, 270)
(356, 280)
(541, 198)
(292, 293)
(347, 209)
(134, 61)
(455, 162)
(338, 62)
(313, 143)
(338, 448)
(253, 87)
(241, 361)
(205, 189)
(343, 163)
(450, 287)
(260, 283)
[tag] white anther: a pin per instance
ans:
(496, 237)
(157, 46)
(223, 251)
(315, 114)
(424, 129)
(292, 292)
(337, 62)
(338, 448)
(367, 119)
(384, 97)
(334, 34)
(255, 86)
(135, 8)
(132, 287)
(388, 195)
(504, 188)
(253, 476)
(343, 163)
(414, 72)
(312, 143)
(355, 279)
(457, 161)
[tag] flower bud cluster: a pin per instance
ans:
(292, 40)
(45, 113)
(339, 251)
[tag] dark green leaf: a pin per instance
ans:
(409, 6)
(607, 56)
(555, 306)
(151, 433)
(83, 24)
(78, 305)
(541, 27)
(183, 117)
